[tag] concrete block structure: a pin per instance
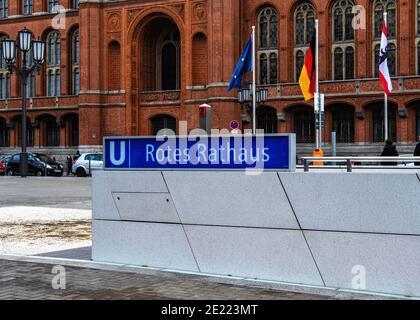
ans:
(301, 231)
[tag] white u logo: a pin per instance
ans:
(121, 160)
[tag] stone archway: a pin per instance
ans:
(302, 123)
(163, 123)
(414, 125)
(49, 131)
(70, 123)
(376, 117)
(267, 119)
(343, 122)
(15, 135)
(160, 58)
(156, 60)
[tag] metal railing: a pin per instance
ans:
(358, 162)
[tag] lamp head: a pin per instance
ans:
(38, 51)
(25, 40)
(9, 51)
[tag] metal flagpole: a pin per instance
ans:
(386, 118)
(317, 97)
(254, 85)
(386, 97)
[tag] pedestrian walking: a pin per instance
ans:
(76, 156)
(390, 150)
(69, 165)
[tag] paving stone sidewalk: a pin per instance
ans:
(33, 281)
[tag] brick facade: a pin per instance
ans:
(121, 83)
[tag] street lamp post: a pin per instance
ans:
(25, 45)
(245, 98)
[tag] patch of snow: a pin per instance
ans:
(41, 214)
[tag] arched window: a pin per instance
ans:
(169, 67)
(71, 122)
(338, 64)
(50, 132)
(418, 57)
(349, 63)
(52, 5)
(4, 75)
(30, 132)
(418, 36)
(267, 119)
(170, 62)
(4, 133)
(73, 133)
(378, 124)
(27, 7)
(304, 31)
(4, 9)
(338, 23)
(300, 60)
(162, 123)
(379, 7)
(342, 21)
(75, 57)
(273, 68)
(343, 40)
(304, 125)
(160, 61)
(53, 64)
(418, 17)
(392, 59)
(268, 46)
(263, 68)
(343, 123)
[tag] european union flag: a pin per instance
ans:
(244, 65)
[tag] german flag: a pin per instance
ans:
(308, 76)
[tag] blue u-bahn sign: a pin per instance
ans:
(231, 152)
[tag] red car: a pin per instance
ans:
(1, 168)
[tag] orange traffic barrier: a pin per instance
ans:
(318, 153)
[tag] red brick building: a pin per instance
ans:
(134, 67)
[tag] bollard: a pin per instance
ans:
(318, 153)
(349, 166)
(334, 146)
(90, 168)
(306, 165)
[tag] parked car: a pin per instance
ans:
(3, 164)
(5, 159)
(53, 167)
(36, 166)
(87, 163)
